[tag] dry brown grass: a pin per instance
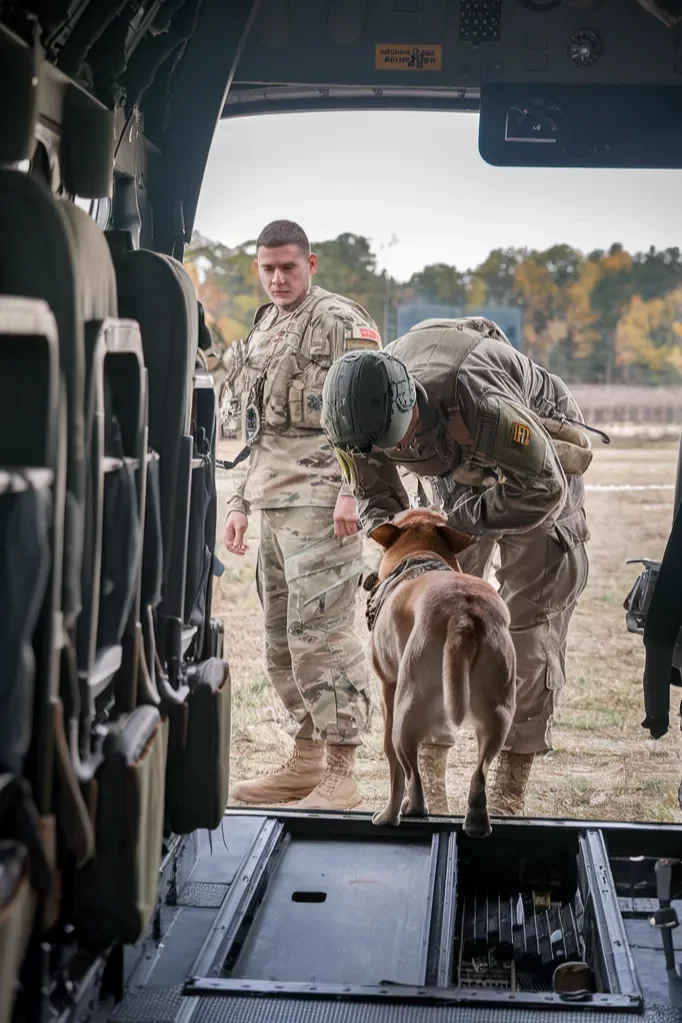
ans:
(603, 765)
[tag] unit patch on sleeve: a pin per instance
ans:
(361, 337)
(520, 434)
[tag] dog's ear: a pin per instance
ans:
(370, 581)
(385, 535)
(456, 540)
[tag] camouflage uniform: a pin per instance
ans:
(484, 445)
(308, 577)
(309, 582)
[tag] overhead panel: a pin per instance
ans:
(431, 52)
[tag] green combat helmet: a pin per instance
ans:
(367, 401)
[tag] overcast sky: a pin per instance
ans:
(418, 176)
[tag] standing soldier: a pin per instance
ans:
(310, 558)
(499, 439)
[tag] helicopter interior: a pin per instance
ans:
(126, 891)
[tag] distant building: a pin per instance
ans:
(508, 317)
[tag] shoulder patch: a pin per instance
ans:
(358, 336)
(509, 436)
(368, 333)
(520, 434)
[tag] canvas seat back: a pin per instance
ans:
(193, 685)
(30, 485)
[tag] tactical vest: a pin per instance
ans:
(283, 389)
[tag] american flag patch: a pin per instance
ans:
(368, 333)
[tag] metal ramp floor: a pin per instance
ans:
(300, 918)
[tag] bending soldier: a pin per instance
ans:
(310, 559)
(455, 402)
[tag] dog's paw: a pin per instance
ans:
(386, 819)
(408, 810)
(477, 824)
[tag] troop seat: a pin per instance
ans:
(119, 748)
(29, 421)
(31, 514)
(156, 291)
(203, 510)
(90, 720)
(116, 442)
(194, 687)
(41, 264)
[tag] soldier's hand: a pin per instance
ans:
(235, 530)
(346, 521)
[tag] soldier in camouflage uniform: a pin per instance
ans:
(310, 558)
(500, 441)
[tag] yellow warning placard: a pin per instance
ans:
(389, 57)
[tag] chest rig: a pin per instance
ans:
(287, 359)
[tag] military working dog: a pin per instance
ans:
(441, 646)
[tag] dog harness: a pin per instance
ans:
(409, 568)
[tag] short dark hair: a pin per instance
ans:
(283, 232)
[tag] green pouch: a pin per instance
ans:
(198, 777)
(116, 892)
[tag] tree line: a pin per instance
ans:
(608, 316)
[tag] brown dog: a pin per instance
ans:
(441, 646)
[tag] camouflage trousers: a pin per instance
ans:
(542, 573)
(307, 581)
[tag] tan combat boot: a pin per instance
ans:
(433, 762)
(302, 772)
(505, 798)
(337, 789)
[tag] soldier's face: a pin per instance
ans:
(412, 429)
(285, 274)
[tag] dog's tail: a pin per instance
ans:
(459, 656)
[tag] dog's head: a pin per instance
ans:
(418, 531)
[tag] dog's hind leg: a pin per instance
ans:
(491, 734)
(406, 741)
(391, 813)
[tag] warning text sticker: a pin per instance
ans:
(408, 58)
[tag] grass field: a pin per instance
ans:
(603, 765)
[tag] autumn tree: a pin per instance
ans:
(496, 274)
(649, 339)
(348, 266)
(226, 283)
(609, 299)
(573, 356)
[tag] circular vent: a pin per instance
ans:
(585, 48)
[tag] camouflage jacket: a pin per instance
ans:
(481, 443)
(280, 370)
